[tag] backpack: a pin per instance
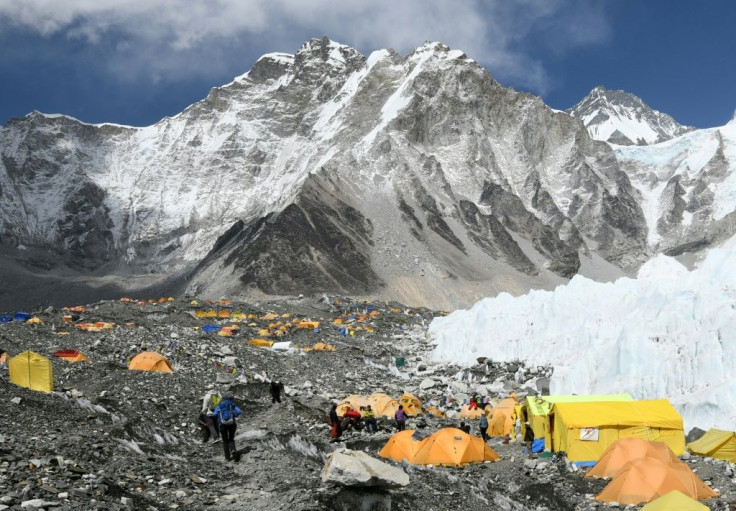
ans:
(227, 414)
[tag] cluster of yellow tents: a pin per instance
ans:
(448, 446)
(501, 418)
(643, 471)
(382, 404)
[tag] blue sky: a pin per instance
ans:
(134, 62)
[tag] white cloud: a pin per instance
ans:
(184, 38)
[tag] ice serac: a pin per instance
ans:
(622, 118)
(416, 177)
(670, 333)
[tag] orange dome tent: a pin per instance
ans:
(402, 446)
(467, 413)
(412, 404)
(384, 405)
(355, 401)
(150, 361)
(501, 422)
(646, 479)
(451, 446)
(628, 449)
(320, 346)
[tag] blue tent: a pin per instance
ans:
(5, 319)
(22, 316)
(210, 329)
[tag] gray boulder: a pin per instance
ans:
(356, 468)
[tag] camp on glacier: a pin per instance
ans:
(667, 334)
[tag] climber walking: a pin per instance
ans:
(227, 413)
(276, 389)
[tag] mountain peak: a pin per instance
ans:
(619, 117)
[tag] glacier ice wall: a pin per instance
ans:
(669, 333)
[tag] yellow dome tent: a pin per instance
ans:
(467, 413)
(716, 443)
(150, 361)
(501, 422)
(412, 404)
(355, 401)
(645, 479)
(451, 446)
(402, 446)
(32, 371)
(628, 449)
(675, 501)
(384, 405)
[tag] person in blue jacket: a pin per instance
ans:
(227, 412)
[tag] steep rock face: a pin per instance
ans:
(621, 118)
(418, 178)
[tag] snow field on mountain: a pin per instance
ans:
(669, 334)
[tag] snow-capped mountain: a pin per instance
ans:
(621, 118)
(417, 178)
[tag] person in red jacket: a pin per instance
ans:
(473, 404)
(352, 416)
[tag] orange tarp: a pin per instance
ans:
(451, 446)
(467, 413)
(628, 449)
(150, 361)
(435, 411)
(320, 346)
(645, 479)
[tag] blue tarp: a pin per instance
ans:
(22, 316)
(5, 319)
(584, 463)
(209, 329)
(343, 331)
(538, 445)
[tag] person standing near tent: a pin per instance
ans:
(473, 403)
(483, 424)
(400, 417)
(276, 388)
(227, 413)
(336, 431)
(369, 416)
(207, 419)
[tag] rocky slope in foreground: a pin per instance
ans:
(110, 438)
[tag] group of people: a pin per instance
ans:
(354, 419)
(218, 415)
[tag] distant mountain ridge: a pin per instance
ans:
(416, 178)
(622, 118)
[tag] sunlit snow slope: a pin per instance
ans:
(669, 333)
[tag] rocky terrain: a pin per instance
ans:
(110, 438)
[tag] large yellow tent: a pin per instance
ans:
(451, 446)
(628, 449)
(675, 501)
(402, 446)
(585, 430)
(383, 404)
(538, 408)
(150, 361)
(32, 371)
(412, 404)
(645, 479)
(502, 418)
(355, 401)
(717, 444)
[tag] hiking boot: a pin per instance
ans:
(217, 440)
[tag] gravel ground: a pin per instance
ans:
(109, 438)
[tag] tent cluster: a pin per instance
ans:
(151, 301)
(644, 471)
(382, 404)
(448, 446)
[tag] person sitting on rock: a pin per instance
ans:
(227, 413)
(400, 417)
(369, 416)
(352, 418)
